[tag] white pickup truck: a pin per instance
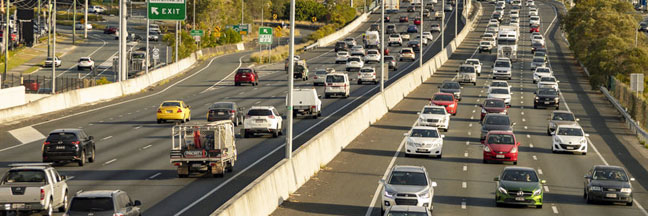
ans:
(306, 102)
(33, 188)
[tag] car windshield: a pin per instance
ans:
(435, 25)
(502, 64)
(353, 59)
(494, 103)
(259, 112)
(563, 117)
(610, 174)
(538, 60)
(499, 91)
(91, 204)
(394, 36)
(18, 175)
(543, 70)
(519, 175)
(547, 91)
(84, 59)
(570, 132)
(470, 69)
(535, 18)
(167, 104)
(389, 58)
(434, 110)
(222, 106)
(372, 52)
(335, 79)
(366, 70)
(408, 178)
(321, 72)
(451, 85)
(442, 97)
(540, 54)
(406, 51)
(485, 43)
(342, 54)
(501, 139)
(497, 120)
(547, 79)
(474, 62)
(246, 70)
(424, 133)
(65, 137)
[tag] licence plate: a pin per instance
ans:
(221, 113)
(169, 111)
(546, 102)
(259, 121)
(519, 198)
(422, 150)
(570, 148)
(611, 195)
(499, 156)
(18, 205)
(243, 76)
(60, 147)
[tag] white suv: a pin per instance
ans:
(434, 116)
(86, 62)
(502, 68)
(354, 63)
(262, 119)
(367, 74)
(407, 185)
(395, 39)
(373, 55)
(541, 72)
(569, 138)
(422, 140)
(337, 84)
(341, 57)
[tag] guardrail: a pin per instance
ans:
(631, 123)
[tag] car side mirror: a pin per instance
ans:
(632, 179)
(91, 138)
(586, 176)
(63, 177)
(543, 181)
(514, 123)
(137, 203)
(496, 179)
(404, 134)
(381, 181)
(442, 136)
(587, 135)
(433, 184)
(577, 119)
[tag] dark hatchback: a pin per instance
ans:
(64, 145)
(495, 122)
(546, 97)
(451, 87)
(226, 111)
(341, 46)
(493, 105)
(608, 184)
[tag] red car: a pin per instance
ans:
(404, 19)
(246, 75)
(493, 105)
(31, 85)
(447, 100)
(417, 21)
(387, 19)
(500, 146)
(110, 30)
(386, 51)
(534, 29)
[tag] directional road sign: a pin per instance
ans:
(197, 33)
(265, 35)
(167, 9)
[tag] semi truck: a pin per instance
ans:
(203, 147)
(507, 39)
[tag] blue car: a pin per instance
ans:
(412, 29)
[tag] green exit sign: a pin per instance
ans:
(167, 10)
(196, 33)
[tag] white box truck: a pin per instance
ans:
(392, 6)
(306, 102)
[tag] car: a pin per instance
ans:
(424, 39)
(514, 13)
(492, 21)
(500, 146)
(493, 27)
(407, 54)
(448, 8)
(403, 19)
(65, 145)
(428, 36)
(96, 9)
(643, 26)
(548, 82)
(435, 27)
(500, 83)
(423, 140)
(467, 74)
(411, 9)
(535, 46)
(538, 62)
(501, 4)
(569, 138)
(28, 188)
(519, 186)
(48, 62)
(398, 210)
(608, 184)
(262, 119)
(530, 3)
(357, 50)
(446, 100)
(417, 21)
(502, 68)
(495, 121)
(541, 72)
(306, 103)
(354, 63)
(407, 185)
(155, 28)
(475, 62)
(373, 55)
(486, 45)
(350, 41)
(534, 21)
(534, 34)
(493, 105)
(426, 13)
(386, 51)
(341, 46)
(533, 12)
(452, 87)
(246, 75)
(103, 202)
(538, 37)
(559, 118)
(219, 111)
(387, 18)
(414, 44)
(374, 27)
(546, 97)
(405, 37)
(497, 16)
(391, 62)
(367, 74)
(501, 93)
(31, 85)
(534, 28)
(110, 30)
(79, 26)
(341, 57)
(154, 36)
(514, 22)
(320, 75)
(412, 29)
(85, 62)
(173, 110)
(438, 15)
(540, 54)
(391, 29)
(337, 84)
(296, 59)
(434, 116)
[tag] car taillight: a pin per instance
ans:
(313, 107)
(118, 214)
(46, 143)
(177, 164)
(179, 110)
(271, 116)
(247, 116)
(315, 77)
(232, 111)
(76, 142)
(359, 74)
(42, 197)
(159, 111)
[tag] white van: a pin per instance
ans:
(372, 39)
(306, 102)
(337, 84)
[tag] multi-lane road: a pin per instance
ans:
(348, 185)
(132, 150)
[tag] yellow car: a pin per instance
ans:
(173, 110)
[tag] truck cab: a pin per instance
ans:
(33, 188)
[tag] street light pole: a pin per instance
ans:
(382, 46)
(85, 17)
(54, 57)
(291, 68)
(443, 24)
(6, 42)
(241, 12)
(193, 27)
(456, 14)
(74, 22)
(148, 24)
(421, 40)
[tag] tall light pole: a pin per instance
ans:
(241, 12)
(74, 22)
(456, 14)
(421, 40)
(148, 24)
(54, 57)
(443, 24)
(85, 17)
(382, 46)
(123, 74)
(291, 68)
(176, 40)
(6, 42)
(193, 26)
(49, 28)
(39, 22)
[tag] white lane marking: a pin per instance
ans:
(540, 171)
(138, 127)
(92, 53)
(258, 102)
(530, 145)
(473, 111)
(469, 133)
(472, 117)
(470, 125)
(467, 142)
(554, 209)
(464, 185)
(534, 157)
(465, 168)
(129, 113)
(546, 188)
(70, 177)
(26, 134)
(525, 127)
(105, 138)
(110, 161)
(465, 154)
(522, 113)
(156, 175)
(523, 119)
(528, 136)
(145, 147)
(463, 205)
(90, 124)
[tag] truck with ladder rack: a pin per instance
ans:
(203, 147)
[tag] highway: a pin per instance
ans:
(132, 150)
(348, 185)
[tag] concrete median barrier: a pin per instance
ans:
(262, 196)
(14, 96)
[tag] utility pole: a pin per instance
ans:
(74, 22)
(6, 42)
(193, 26)
(176, 41)
(442, 24)
(456, 10)
(291, 68)
(421, 35)
(241, 12)
(382, 46)
(123, 34)
(39, 22)
(49, 28)
(54, 57)
(85, 17)
(148, 24)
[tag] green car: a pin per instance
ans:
(519, 186)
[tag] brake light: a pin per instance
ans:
(177, 164)
(76, 142)
(159, 111)
(179, 110)
(46, 143)
(232, 111)
(271, 116)
(313, 107)
(42, 197)
(315, 77)
(359, 74)
(118, 214)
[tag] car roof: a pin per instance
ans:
(608, 167)
(96, 193)
(498, 87)
(261, 107)
(62, 130)
(570, 126)
(408, 208)
(443, 93)
(433, 106)
(406, 168)
(496, 114)
(171, 101)
(336, 73)
(449, 81)
(518, 168)
(425, 128)
(561, 111)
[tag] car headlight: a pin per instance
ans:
(425, 195)
(595, 188)
(502, 190)
(556, 99)
(537, 192)
(557, 140)
(487, 149)
(390, 194)
(514, 150)
(414, 144)
(537, 98)
(583, 141)
(551, 124)
(626, 190)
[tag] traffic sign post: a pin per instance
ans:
(197, 33)
(167, 9)
(265, 35)
(241, 29)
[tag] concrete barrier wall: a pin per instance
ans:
(325, 41)
(14, 96)
(93, 94)
(262, 196)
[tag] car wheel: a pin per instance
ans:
(63, 208)
(159, 121)
(445, 129)
(245, 134)
(484, 161)
(237, 84)
(535, 106)
(92, 158)
(539, 206)
(514, 162)
(440, 156)
(629, 204)
(275, 133)
(359, 82)
(83, 158)
(557, 107)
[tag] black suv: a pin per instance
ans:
(546, 97)
(341, 46)
(103, 202)
(226, 111)
(63, 145)
(391, 29)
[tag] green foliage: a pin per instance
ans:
(103, 81)
(323, 31)
(602, 35)
(187, 44)
(229, 36)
